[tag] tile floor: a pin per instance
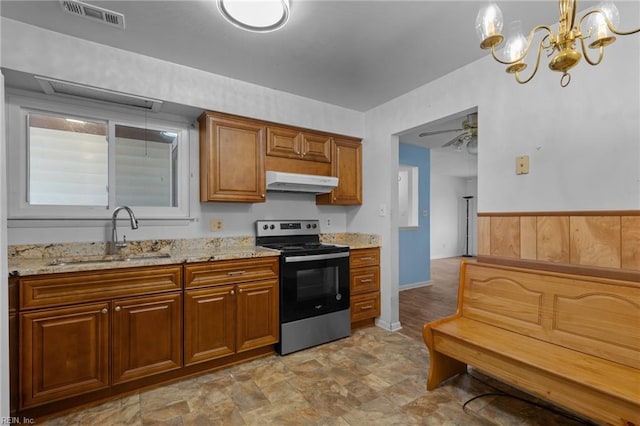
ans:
(372, 378)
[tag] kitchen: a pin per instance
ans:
(591, 108)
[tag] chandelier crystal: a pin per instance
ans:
(599, 31)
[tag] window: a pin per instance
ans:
(71, 162)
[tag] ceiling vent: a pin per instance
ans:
(93, 12)
(52, 86)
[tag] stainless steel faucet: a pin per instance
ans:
(115, 244)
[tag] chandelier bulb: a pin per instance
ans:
(489, 25)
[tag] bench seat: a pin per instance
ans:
(530, 347)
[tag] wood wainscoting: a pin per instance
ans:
(597, 240)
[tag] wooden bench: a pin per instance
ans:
(570, 339)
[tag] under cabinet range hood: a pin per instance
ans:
(295, 182)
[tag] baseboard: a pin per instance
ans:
(389, 326)
(414, 285)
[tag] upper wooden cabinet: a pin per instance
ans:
(231, 159)
(236, 151)
(292, 143)
(347, 166)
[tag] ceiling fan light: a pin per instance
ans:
(255, 15)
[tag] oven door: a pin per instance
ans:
(312, 285)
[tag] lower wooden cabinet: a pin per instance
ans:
(88, 335)
(364, 266)
(64, 352)
(209, 324)
(89, 345)
(146, 336)
(230, 307)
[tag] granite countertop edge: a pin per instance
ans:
(26, 266)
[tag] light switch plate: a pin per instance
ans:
(522, 165)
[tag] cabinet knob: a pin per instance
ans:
(262, 195)
(118, 309)
(232, 292)
(104, 310)
(334, 198)
(239, 290)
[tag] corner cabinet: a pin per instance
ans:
(231, 159)
(346, 165)
(364, 266)
(231, 306)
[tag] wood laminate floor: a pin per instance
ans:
(424, 304)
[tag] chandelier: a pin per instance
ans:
(599, 29)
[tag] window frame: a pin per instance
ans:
(18, 106)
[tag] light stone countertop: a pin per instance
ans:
(77, 257)
(35, 259)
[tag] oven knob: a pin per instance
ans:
(308, 226)
(272, 227)
(265, 226)
(315, 226)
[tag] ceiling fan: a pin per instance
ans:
(468, 137)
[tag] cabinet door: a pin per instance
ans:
(257, 318)
(231, 159)
(346, 164)
(63, 352)
(283, 142)
(209, 324)
(146, 336)
(316, 148)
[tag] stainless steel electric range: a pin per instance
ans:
(314, 283)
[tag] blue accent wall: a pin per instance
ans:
(415, 256)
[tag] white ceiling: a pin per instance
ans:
(357, 54)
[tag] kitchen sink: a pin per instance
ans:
(108, 259)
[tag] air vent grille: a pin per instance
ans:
(96, 13)
(65, 88)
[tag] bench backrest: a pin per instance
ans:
(597, 316)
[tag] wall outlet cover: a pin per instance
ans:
(522, 165)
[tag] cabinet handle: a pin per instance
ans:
(235, 273)
(366, 258)
(365, 308)
(239, 290)
(232, 292)
(104, 310)
(367, 280)
(118, 308)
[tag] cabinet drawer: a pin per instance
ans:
(75, 287)
(364, 257)
(365, 306)
(230, 271)
(366, 279)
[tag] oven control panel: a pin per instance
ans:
(272, 228)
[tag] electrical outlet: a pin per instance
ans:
(382, 210)
(215, 225)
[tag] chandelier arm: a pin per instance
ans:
(586, 55)
(607, 21)
(526, 49)
(535, 70)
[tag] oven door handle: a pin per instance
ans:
(313, 257)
